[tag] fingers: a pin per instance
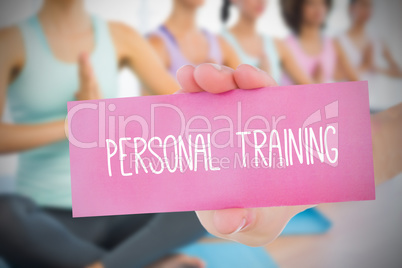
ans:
(205, 77)
(85, 71)
(185, 77)
(249, 77)
(214, 78)
(208, 77)
(88, 89)
(231, 221)
(252, 227)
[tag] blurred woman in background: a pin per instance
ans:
(365, 53)
(59, 55)
(319, 56)
(179, 41)
(259, 50)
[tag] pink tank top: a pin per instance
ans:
(177, 59)
(327, 59)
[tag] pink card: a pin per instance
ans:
(266, 147)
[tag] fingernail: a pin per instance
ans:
(241, 226)
(255, 68)
(216, 66)
(182, 67)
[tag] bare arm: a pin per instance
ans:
(393, 68)
(135, 52)
(343, 63)
(13, 137)
(290, 65)
(229, 55)
(160, 49)
(367, 63)
(386, 129)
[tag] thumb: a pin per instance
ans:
(230, 221)
(249, 226)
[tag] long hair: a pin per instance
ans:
(292, 13)
(225, 10)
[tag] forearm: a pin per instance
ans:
(231, 59)
(393, 69)
(343, 62)
(387, 143)
(298, 76)
(149, 68)
(15, 138)
(159, 82)
(392, 72)
(229, 55)
(291, 66)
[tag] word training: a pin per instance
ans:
(177, 154)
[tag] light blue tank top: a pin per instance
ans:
(40, 94)
(270, 51)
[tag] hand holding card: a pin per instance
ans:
(249, 226)
(269, 147)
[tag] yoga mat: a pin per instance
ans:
(310, 221)
(230, 255)
(3, 264)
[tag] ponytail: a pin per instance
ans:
(225, 11)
